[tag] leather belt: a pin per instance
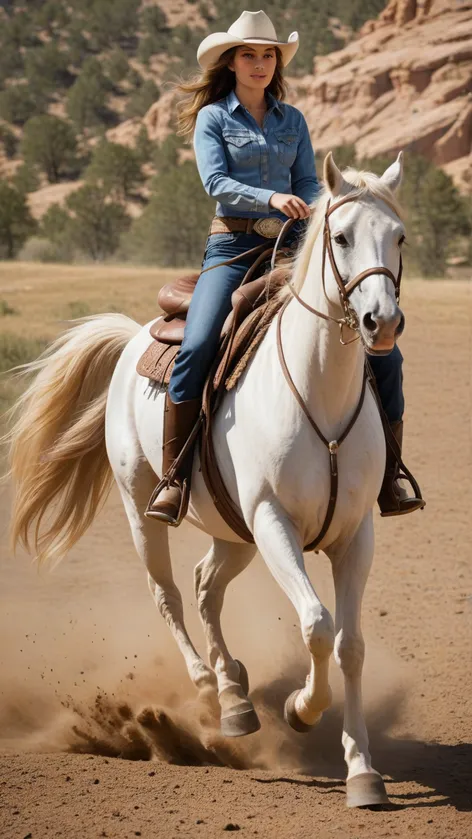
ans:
(269, 227)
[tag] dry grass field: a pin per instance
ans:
(81, 643)
(46, 295)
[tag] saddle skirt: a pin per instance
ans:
(254, 305)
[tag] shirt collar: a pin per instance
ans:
(233, 102)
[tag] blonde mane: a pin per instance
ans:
(366, 185)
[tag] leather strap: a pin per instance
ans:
(213, 479)
(332, 445)
(231, 224)
(267, 226)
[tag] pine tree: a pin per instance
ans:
(96, 224)
(16, 222)
(50, 143)
(116, 168)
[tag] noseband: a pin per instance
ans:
(350, 318)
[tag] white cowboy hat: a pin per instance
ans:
(249, 28)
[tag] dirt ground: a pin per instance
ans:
(83, 652)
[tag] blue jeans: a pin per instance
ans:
(388, 373)
(210, 305)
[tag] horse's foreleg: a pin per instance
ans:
(224, 561)
(152, 544)
(280, 546)
(350, 572)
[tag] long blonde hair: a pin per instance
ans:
(214, 83)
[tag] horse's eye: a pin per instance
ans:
(401, 240)
(340, 239)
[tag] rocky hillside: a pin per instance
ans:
(404, 83)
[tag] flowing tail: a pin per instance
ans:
(58, 459)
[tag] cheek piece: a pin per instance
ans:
(350, 318)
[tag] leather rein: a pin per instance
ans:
(351, 321)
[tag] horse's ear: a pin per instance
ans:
(392, 176)
(332, 176)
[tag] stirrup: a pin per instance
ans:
(178, 501)
(407, 504)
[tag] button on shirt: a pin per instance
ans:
(242, 165)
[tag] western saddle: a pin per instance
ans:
(254, 305)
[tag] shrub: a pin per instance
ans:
(46, 68)
(50, 143)
(441, 217)
(54, 223)
(134, 78)
(39, 249)
(97, 224)
(116, 168)
(87, 99)
(175, 237)
(112, 22)
(26, 179)
(8, 138)
(52, 16)
(11, 61)
(6, 309)
(16, 222)
(117, 65)
(77, 44)
(144, 146)
(166, 154)
(141, 100)
(156, 33)
(17, 104)
(153, 20)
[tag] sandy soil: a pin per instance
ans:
(83, 651)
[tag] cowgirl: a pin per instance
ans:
(254, 155)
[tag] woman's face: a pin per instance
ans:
(254, 65)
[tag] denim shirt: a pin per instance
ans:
(242, 165)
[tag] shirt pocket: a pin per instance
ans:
(287, 144)
(241, 146)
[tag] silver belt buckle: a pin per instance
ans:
(268, 227)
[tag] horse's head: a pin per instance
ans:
(364, 232)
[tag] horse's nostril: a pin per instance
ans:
(369, 322)
(400, 327)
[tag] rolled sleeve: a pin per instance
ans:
(303, 172)
(213, 169)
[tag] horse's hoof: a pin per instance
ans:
(238, 725)
(243, 676)
(366, 790)
(291, 716)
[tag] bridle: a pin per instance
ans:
(350, 320)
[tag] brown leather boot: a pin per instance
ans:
(169, 501)
(394, 499)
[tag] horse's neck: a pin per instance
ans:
(327, 373)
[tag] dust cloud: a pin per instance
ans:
(89, 666)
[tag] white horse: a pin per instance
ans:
(88, 417)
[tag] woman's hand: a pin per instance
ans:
(291, 205)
